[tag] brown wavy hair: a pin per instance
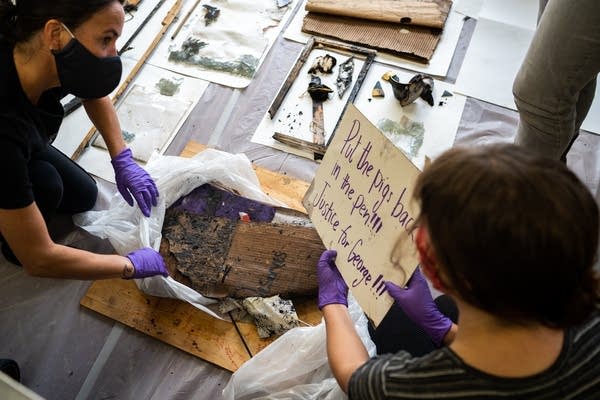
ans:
(516, 234)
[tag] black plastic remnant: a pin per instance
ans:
(318, 91)
(420, 85)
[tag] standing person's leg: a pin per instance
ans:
(554, 87)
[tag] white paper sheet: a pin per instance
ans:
(97, 161)
(469, 8)
(149, 118)
(488, 71)
(439, 123)
(521, 13)
(295, 113)
(241, 36)
(438, 65)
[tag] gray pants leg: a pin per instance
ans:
(555, 85)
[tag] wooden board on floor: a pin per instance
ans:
(279, 186)
(172, 321)
(180, 324)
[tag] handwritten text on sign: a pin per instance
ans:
(360, 203)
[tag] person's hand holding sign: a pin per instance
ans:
(332, 288)
(417, 303)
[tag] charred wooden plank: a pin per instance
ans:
(244, 259)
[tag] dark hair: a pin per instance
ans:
(516, 234)
(19, 21)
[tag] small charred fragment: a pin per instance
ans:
(344, 78)
(318, 91)
(323, 64)
(211, 15)
(377, 90)
(420, 85)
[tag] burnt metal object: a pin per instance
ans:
(344, 78)
(420, 85)
(323, 64)
(318, 93)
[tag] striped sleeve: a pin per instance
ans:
(443, 375)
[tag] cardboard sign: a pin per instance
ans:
(360, 202)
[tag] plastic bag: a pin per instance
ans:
(295, 365)
(127, 229)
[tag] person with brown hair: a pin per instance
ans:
(48, 49)
(511, 237)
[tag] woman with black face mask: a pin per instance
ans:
(47, 49)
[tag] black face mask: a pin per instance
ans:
(83, 74)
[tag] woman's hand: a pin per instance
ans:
(134, 180)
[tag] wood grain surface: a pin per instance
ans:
(180, 324)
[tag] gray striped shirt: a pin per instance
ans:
(443, 375)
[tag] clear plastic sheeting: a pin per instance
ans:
(128, 229)
(295, 365)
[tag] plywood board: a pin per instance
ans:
(180, 324)
(172, 321)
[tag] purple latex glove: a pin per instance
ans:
(332, 288)
(417, 303)
(134, 180)
(147, 262)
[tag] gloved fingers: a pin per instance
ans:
(328, 256)
(416, 279)
(153, 191)
(163, 269)
(147, 262)
(142, 197)
(341, 284)
(416, 284)
(125, 194)
(394, 290)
